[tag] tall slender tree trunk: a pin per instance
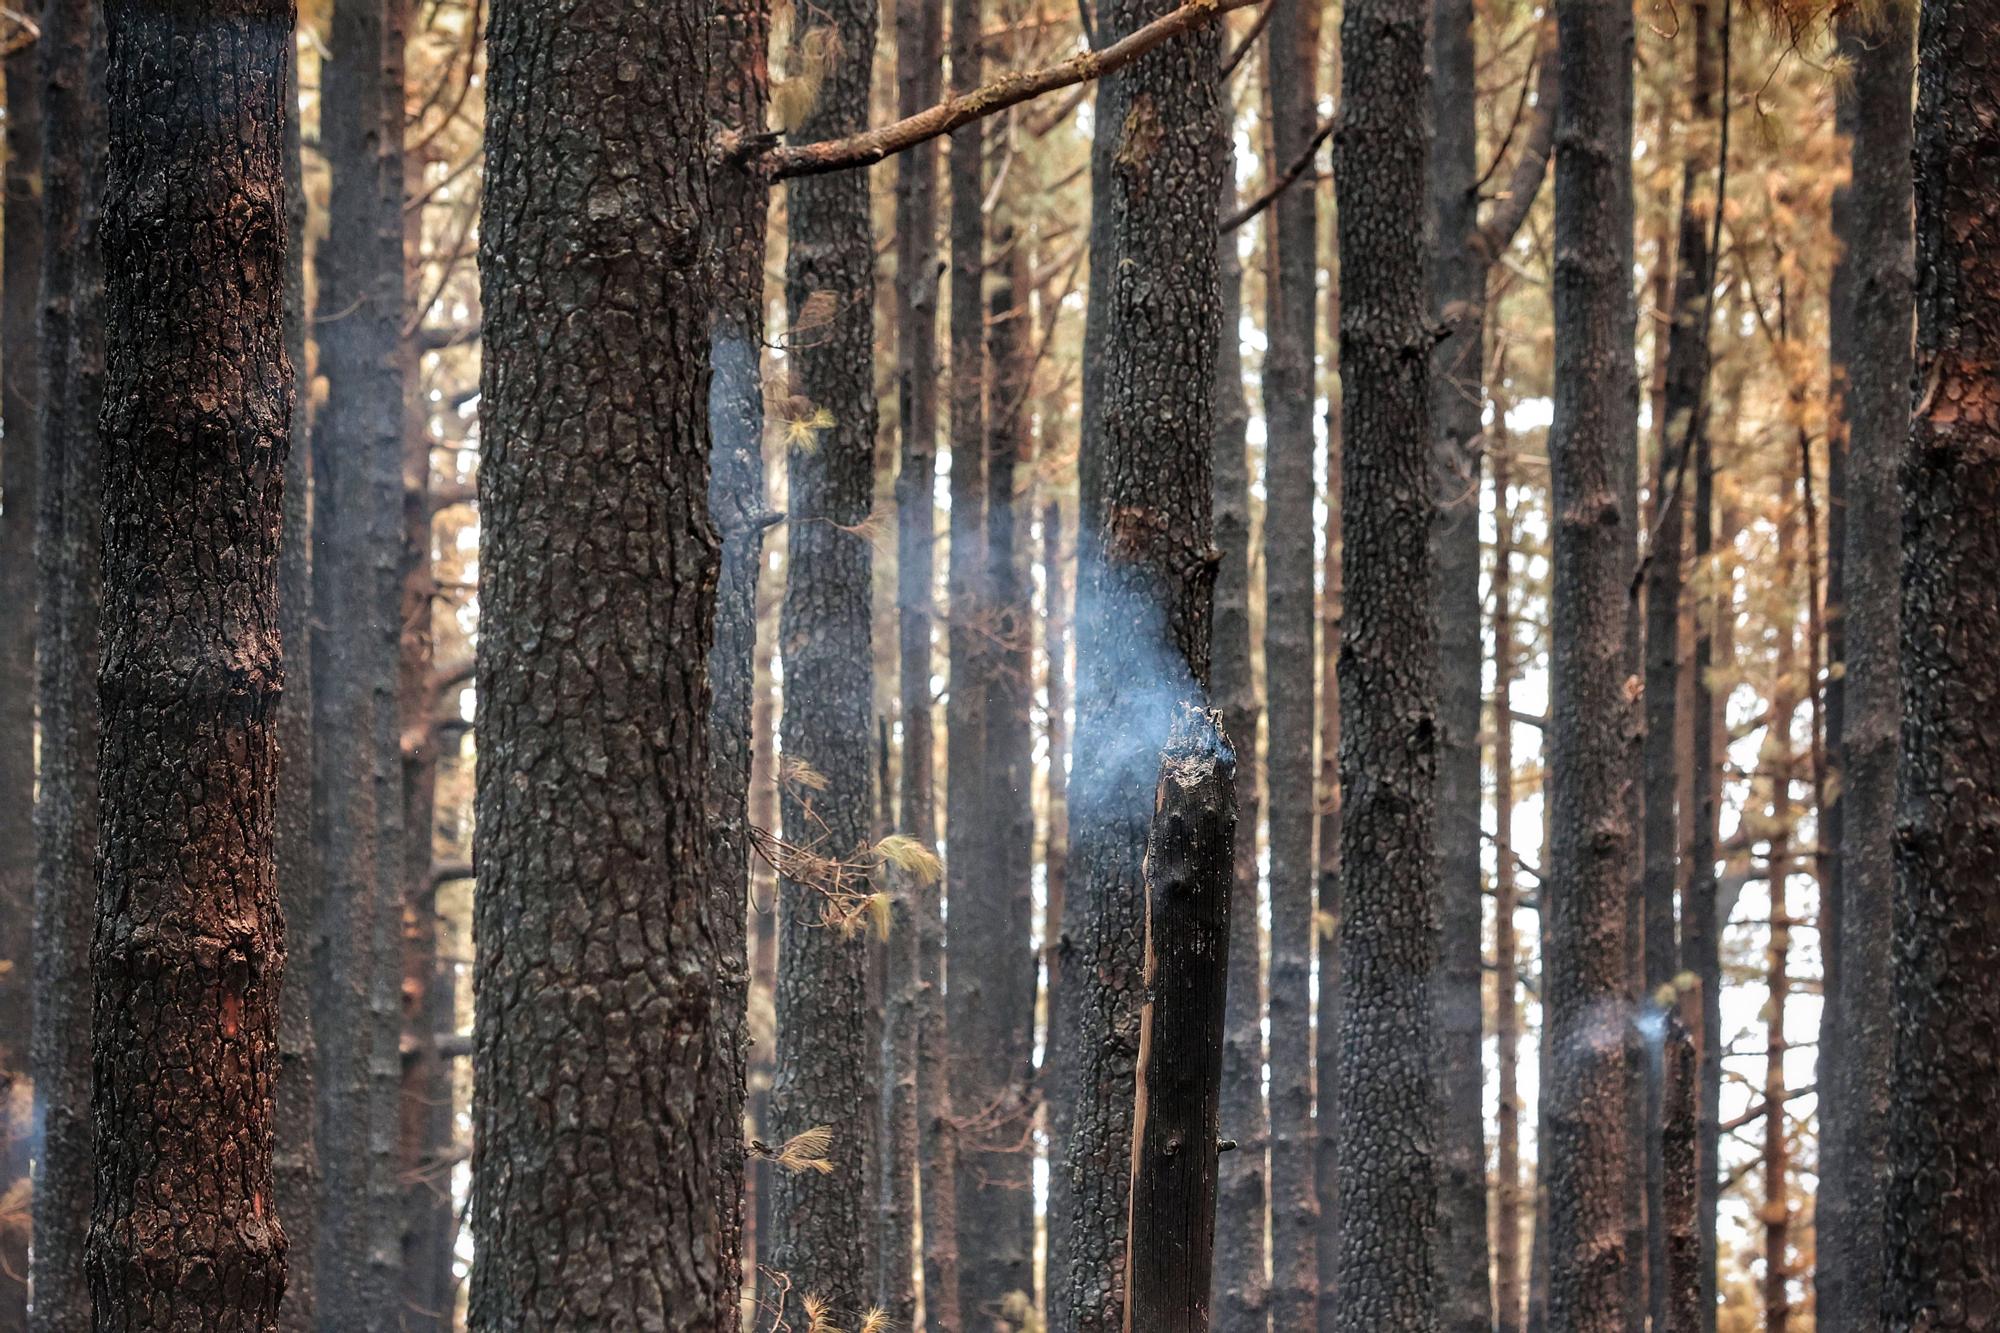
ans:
(1457, 422)
(189, 951)
(1776, 1213)
(20, 395)
(1241, 1215)
(599, 958)
(295, 1164)
(995, 979)
(1701, 923)
(1386, 1276)
(1870, 325)
(1143, 606)
(740, 714)
(1680, 420)
(426, 1127)
(969, 843)
(68, 537)
(1943, 1210)
(822, 1235)
(1586, 896)
(1327, 793)
(919, 54)
(1289, 613)
(1507, 1307)
(358, 445)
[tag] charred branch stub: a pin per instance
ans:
(1188, 875)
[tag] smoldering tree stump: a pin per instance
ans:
(1189, 872)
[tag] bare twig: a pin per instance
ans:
(872, 146)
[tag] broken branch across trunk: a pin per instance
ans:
(782, 161)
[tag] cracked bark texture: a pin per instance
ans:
(189, 951)
(738, 43)
(1291, 289)
(357, 441)
(822, 1227)
(1942, 1219)
(601, 969)
(1326, 791)
(20, 398)
(1386, 1152)
(67, 544)
(1587, 893)
(1238, 1303)
(295, 1138)
(1457, 425)
(1189, 865)
(1870, 332)
(1146, 569)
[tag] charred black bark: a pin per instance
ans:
(20, 396)
(1586, 899)
(993, 981)
(295, 1114)
(1146, 571)
(67, 556)
(822, 1233)
(189, 949)
(1189, 866)
(1240, 1215)
(1457, 408)
(738, 90)
(919, 53)
(601, 972)
(1386, 1275)
(1292, 319)
(1680, 1196)
(1870, 327)
(358, 441)
(1942, 1213)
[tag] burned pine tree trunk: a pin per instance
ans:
(295, 1165)
(995, 1046)
(20, 363)
(1680, 422)
(1589, 885)
(1943, 1209)
(919, 52)
(68, 539)
(189, 953)
(1241, 1227)
(1386, 1277)
(1870, 328)
(358, 557)
(739, 202)
(822, 1235)
(969, 840)
(1326, 792)
(1189, 867)
(1292, 289)
(1680, 1196)
(1457, 411)
(1507, 1274)
(593, 669)
(1145, 577)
